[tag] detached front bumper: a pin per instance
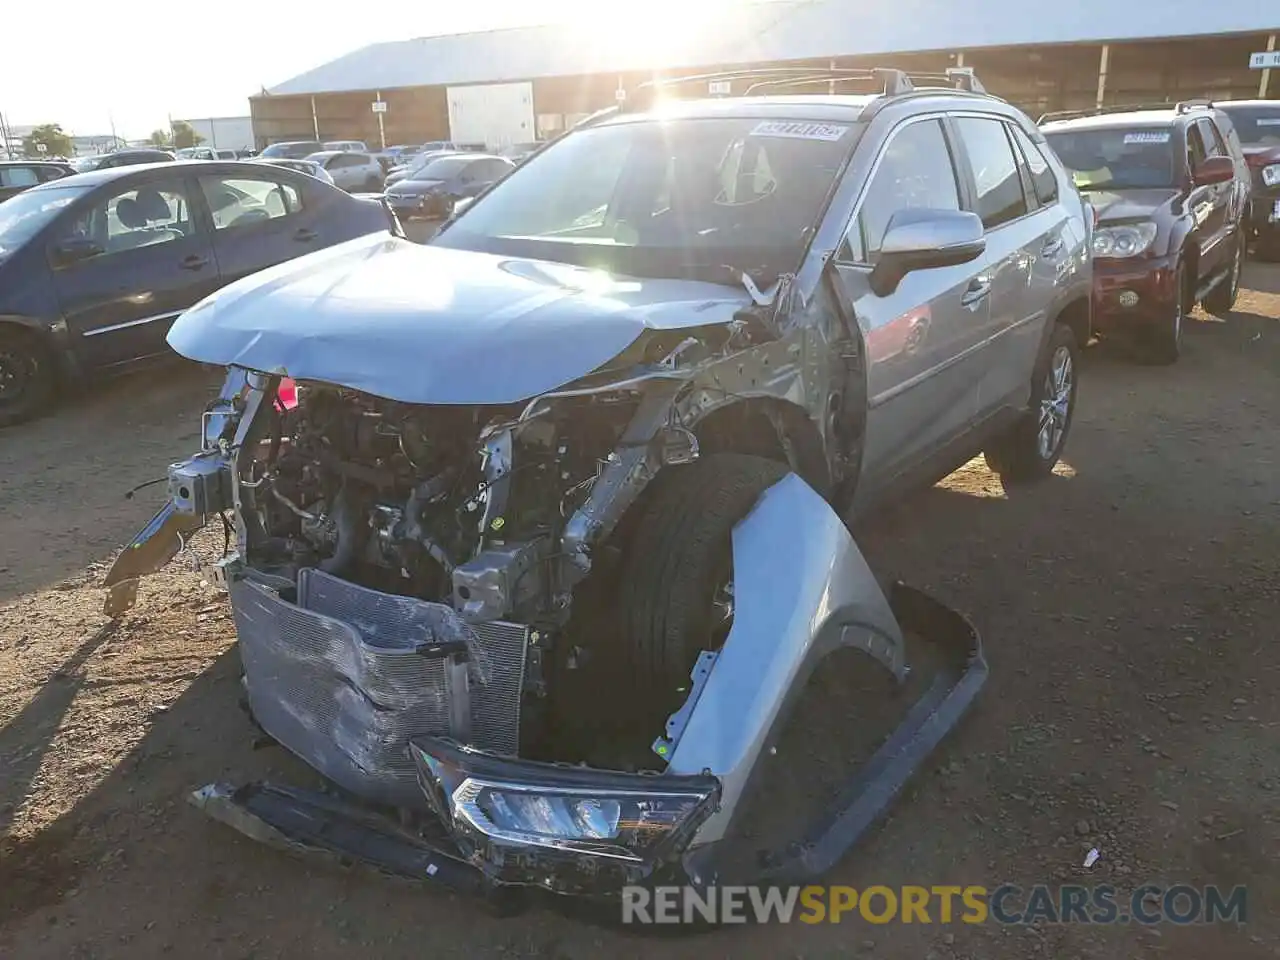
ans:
(1130, 294)
(469, 853)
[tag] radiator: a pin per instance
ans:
(340, 678)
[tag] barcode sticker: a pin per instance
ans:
(827, 132)
(1148, 136)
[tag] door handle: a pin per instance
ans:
(304, 235)
(976, 292)
(194, 262)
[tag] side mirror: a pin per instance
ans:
(459, 205)
(922, 239)
(74, 249)
(1214, 170)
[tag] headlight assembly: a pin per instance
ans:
(524, 820)
(1126, 240)
(600, 822)
(1271, 175)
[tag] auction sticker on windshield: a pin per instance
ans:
(1149, 136)
(828, 132)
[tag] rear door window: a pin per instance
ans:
(1043, 180)
(236, 202)
(997, 183)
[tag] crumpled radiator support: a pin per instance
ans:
(347, 675)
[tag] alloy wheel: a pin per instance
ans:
(1055, 407)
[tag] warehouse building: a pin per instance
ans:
(507, 86)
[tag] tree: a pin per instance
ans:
(56, 142)
(184, 135)
(158, 138)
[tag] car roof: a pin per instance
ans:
(1228, 104)
(825, 107)
(94, 178)
(1131, 118)
(329, 153)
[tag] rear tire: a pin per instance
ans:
(676, 562)
(26, 376)
(1222, 298)
(1032, 448)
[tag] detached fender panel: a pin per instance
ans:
(802, 589)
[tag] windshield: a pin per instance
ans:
(23, 216)
(85, 164)
(689, 198)
(1257, 126)
(441, 168)
(1116, 158)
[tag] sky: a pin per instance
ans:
(132, 64)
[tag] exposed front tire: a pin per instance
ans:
(26, 376)
(676, 596)
(1222, 298)
(1032, 447)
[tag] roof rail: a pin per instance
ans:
(1197, 103)
(1103, 111)
(892, 81)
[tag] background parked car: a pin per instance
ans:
(351, 171)
(409, 170)
(292, 149)
(310, 168)
(95, 267)
(1170, 187)
(518, 152)
(432, 191)
(205, 153)
(349, 146)
(1257, 124)
(121, 158)
(19, 175)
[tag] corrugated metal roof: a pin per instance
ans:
(830, 28)
(527, 53)
(767, 32)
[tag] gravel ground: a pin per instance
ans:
(1128, 607)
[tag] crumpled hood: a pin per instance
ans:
(424, 324)
(1115, 205)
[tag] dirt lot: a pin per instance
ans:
(1128, 606)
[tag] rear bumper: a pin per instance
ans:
(1133, 293)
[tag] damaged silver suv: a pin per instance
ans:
(539, 530)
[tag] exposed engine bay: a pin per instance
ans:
(458, 505)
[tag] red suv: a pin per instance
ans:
(1170, 188)
(1257, 123)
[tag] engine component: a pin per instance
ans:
(200, 487)
(499, 581)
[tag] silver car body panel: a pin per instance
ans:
(428, 325)
(802, 589)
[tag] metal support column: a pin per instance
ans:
(1103, 64)
(315, 121)
(1266, 73)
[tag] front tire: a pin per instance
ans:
(678, 564)
(26, 376)
(1222, 298)
(1162, 344)
(1032, 448)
